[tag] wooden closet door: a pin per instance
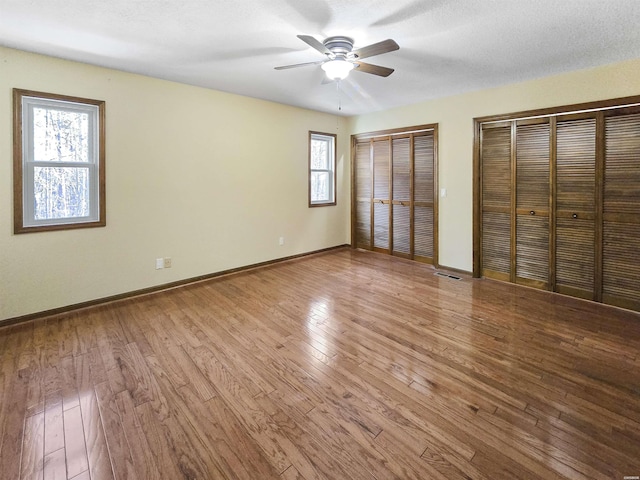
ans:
(423, 197)
(532, 203)
(621, 213)
(496, 200)
(381, 194)
(576, 205)
(364, 177)
(401, 202)
(394, 179)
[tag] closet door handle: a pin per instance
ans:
(532, 212)
(575, 215)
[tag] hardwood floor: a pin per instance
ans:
(343, 365)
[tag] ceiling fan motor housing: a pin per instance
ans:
(339, 46)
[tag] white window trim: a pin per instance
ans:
(331, 140)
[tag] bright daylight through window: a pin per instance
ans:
(58, 162)
(322, 169)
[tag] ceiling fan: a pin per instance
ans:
(342, 58)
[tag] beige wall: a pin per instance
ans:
(455, 118)
(207, 178)
(212, 179)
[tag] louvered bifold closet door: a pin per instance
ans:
(363, 194)
(621, 214)
(423, 197)
(575, 205)
(401, 202)
(381, 193)
(496, 200)
(532, 203)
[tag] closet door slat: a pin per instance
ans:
(576, 165)
(621, 273)
(401, 169)
(381, 193)
(575, 257)
(401, 178)
(496, 241)
(381, 226)
(423, 176)
(381, 172)
(401, 229)
(496, 201)
(363, 195)
(532, 204)
(576, 193)
(621, 269)
(423, 197)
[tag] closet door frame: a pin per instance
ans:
(391, 134)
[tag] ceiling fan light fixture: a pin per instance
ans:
(337, 69)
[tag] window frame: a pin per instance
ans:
(23, 162)
(333, 139)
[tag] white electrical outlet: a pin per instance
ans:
(281, 241)
(159, 263)
(167, 262)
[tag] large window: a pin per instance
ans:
(322, 169)
(58, 162)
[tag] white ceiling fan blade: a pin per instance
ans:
(312, 42)
(285, 67)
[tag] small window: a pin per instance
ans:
(58, 162)
(322, 169)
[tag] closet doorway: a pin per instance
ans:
(557, 200)
(394, 192)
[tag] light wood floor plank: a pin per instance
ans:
(53, 424)
(116, 440)
(75, 447)
(55, 466)
(160, 446)
(144, 462)
(89, 367)
(32, 465)
(240, 453)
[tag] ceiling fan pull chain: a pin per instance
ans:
(339, 98)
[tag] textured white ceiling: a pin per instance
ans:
(446, 46)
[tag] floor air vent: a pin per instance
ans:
(446, 275)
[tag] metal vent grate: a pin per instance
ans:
(446, 275)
